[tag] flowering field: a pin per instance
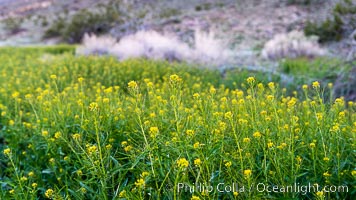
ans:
(94, 128)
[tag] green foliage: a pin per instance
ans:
(38, 50)
(333, 29)
(169, 12)
(322, 68)
(344, 8)
(12, 24)
(304, 2)
(326, 70)
(329, 30)
(236, 77)
(345, 84)
(203, 6)
(312, 68)
(71, 29)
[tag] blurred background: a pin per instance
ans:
(297, 40)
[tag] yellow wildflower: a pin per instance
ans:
(31, 174)
(80, 79)
(24, 178)
(92, 149)
(250, 80)
(7, 151)
(246, 140)
(44, 133)
(153, 131)
(93, 106)
(132, 85)
(270, 144)
(175, 78)
(49, 193)
(312, 145)
(271, 85)
(196, 145)
(182, 163)
(353, 172)
(326, 174)
(52, 160)
(320, 194)
(108, 146)
(228, 164)
(122, 194)
(197, 162)
(79, 172)
(144, 174)
(195, 198)
(228, 115)
(76, 136)
(247, 172)
(316, 84)
(140, 183)
(57, 135)
(128, 148)
(190, 132)
(299, 159)
(257, 134)
(83, 190)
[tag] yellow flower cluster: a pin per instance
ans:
(182, 163)
(88, 114)
(153, 131)
(49, 193)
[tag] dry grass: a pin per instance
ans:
(153, 45)
(292, 45)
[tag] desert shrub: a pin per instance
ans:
(342, 22)
(93, 45)
(150, 44)
(203, 6)
(300, 2)
(57, 28)
(329, 30)
(292, 45)
(345, 7)
(84, 21)
(153, 45)
(169, 12)
(12, 24)
(209, 49)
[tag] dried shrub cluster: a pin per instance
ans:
(292, 45)
(153, 45)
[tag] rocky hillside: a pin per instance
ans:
(244, 25)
